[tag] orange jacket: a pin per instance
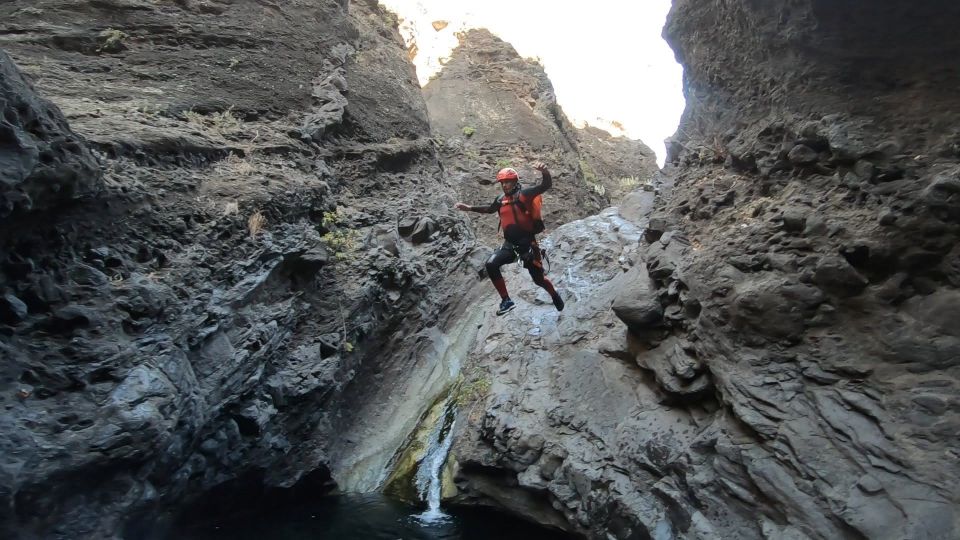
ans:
(519, 212)
(520, 217)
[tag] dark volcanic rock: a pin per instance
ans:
(213, 327)
(802, 155)
(12, 309)
(205, 332)
(804, 379)
(636, 305)
(562, 386)
(424, 229)
(836, 274)
(42, 161)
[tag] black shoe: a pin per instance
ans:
(505, 306)
(558, 302)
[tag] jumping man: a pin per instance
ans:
(519, 210)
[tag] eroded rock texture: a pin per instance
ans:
(491, 109)
(42, 162)
(789, 368)
(204, 324)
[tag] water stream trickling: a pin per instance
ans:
(396, 513)
(429, 477)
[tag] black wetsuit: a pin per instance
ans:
(520, 218)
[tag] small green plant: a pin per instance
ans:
(234, 62)
(341, 242)
(588, 175)
(438, 141)
(332, 218)
(503, 163)
(469, 131)
(477, 388)
(112, 40)
(148, 109)
(347, 346)
(629, 182)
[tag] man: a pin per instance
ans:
(519, 210)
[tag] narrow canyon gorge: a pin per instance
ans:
(233, 280)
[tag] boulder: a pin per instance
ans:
(424, 230)
(802, 155)
(637, 304)
(836, 275)
(42, 161)
(12, 309)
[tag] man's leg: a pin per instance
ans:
(535, 267)
(499, 258)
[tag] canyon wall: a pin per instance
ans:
(490, 108)
(199, 280)
(778, 359)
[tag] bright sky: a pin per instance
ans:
(606, 58)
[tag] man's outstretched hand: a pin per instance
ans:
(461, 206)
(540, 166)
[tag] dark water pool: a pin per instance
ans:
(367, 517)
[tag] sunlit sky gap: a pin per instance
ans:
(606, 58)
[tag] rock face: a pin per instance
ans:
(210, 322)
(42, 162)
(789, 368)
(554, 437)
(767, 350)
(492, 109)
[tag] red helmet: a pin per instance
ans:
(508, 175)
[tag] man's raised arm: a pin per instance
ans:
(544, 184)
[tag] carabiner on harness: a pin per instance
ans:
(528, 256)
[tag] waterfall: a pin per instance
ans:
(429, 477)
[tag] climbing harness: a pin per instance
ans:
(529, 256)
